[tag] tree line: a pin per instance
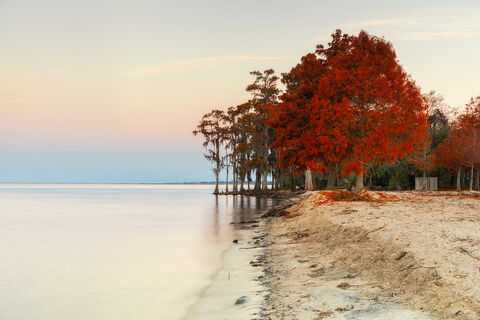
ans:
(349, 115)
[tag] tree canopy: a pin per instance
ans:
(349, 108)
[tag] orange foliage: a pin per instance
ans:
(351, 103)
(331, 197)
(454, 152)
(324, 197)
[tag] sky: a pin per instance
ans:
(110, 91)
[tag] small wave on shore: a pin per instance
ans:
(238, 288)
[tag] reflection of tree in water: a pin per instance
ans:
(216, 219)
(245, 209)
(237, 209)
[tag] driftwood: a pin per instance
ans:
(411, 267)
(463, 250)
(280, 210)
(245, 222)
(375, 230)
(401, 255)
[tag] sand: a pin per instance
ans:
(400, 255)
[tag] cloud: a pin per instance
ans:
(384, 22)
(413, 28)
(181, 65)
(445, 34)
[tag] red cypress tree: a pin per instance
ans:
(291, 118)
(384, 110)
(469, 125)
(365, 109)
(454, 152)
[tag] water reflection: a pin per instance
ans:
(112, 252)
(239, 210)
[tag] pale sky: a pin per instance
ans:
(109, 91)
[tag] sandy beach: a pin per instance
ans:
(392, 255)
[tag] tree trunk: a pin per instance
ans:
(216, 181)
(332, 175)
(398, 185)
(277, 179)
(459, 174)
(359, 186)
(477, 180)
(265, 158)
(226, 183)
(235, 178)
(308, 180)
(424, 167)
(424, 187)
(471, 178)
(473, 158)
(258, 180)
(264, 180)
(338, 178)
(217, 162)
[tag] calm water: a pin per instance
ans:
(110, 251)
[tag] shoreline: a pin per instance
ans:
(398, 255)
(240, 286)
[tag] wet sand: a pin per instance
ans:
(240, 287)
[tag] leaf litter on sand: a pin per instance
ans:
(324, 197)
(403, 260)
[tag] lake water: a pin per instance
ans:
(121, 252)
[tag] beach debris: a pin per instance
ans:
(468, 239)
(280, 210)
(334, 196)
(241, 300)
(260, 237)
(324, 314)
(291, 215)
(375, 230)
(412, 267)
(235, 241)
(260, 261)
(300, 234)
(340, 310)
(324, 197)
(245, 222)
(317, 272)
(348, 211)
(401, 255)
(344, 285)
(255, 247)
(283, 208)
(463, 250)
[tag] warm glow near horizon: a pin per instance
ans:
(109, 75)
